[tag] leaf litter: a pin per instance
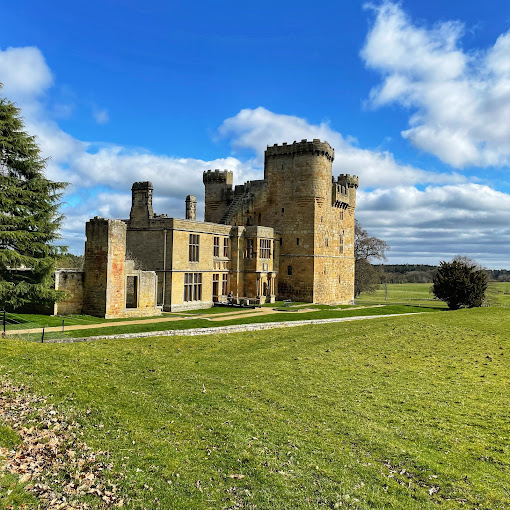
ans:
(56, 466)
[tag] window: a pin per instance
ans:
(224, 284)
(192, 286)
(341, 245)
(341, 215)
(297, 241)
(289, 270)
(281, 241)
(132, 292)
(327, 242)
(194, 241)
(283, 210)
(339, 279)
(216, 248)
(265, 248)
(250, 248)
(225, 247)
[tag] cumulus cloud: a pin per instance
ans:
(448, 215)
(23, 72)
(255, 128)
(439, 221)
(459, 101)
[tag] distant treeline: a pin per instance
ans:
(423, 273)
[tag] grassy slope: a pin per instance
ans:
(198, 322)
(312, 416)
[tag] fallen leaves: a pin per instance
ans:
(59, 467)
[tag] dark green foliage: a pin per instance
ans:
(29, 217)
(71, 261)
(460, 283)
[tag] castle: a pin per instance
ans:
(287, 236)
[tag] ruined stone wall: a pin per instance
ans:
(71, 281)
(105, 263)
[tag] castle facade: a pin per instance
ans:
(287, 236)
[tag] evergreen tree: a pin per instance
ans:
(460, 283)
(29, 217)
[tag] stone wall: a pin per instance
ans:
(71, 281)
(314, 216)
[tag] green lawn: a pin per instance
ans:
(198, 322)
(498, 294)
(408, 413)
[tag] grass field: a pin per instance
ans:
(196, 321)
(407, 412)
(419, 294)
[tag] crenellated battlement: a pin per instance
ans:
(142, 185)
(351, 181)
(303, 147)
(223, 176)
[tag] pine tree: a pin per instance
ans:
(29, 217)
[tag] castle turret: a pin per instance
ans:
(350, 183)
(299, 179)
(218, 193)
(141, 204)
(191, 207)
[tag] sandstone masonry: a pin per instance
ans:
(288, 236)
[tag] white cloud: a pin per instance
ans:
(101, 116)
(23, 72)
(450, 215)
(459, 101)
(439, 222)
(255, 128)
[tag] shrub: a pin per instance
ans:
(460, 283)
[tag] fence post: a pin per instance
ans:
(63, 325)
(42, 337)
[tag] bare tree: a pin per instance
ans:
(366, 250)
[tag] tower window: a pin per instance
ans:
(265, 248)
(341, 245)
(194, 242)
(297, 241)
(281, 241)
(283, 210)
(250, 249)
(339, 279)
(289, 270)
(342, 215)
(327, 242)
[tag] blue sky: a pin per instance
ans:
(414, 97)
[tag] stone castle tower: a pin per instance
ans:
(312, 212)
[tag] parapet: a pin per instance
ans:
(351, 181)
(223, 176)
(142, 185)
(303, 147)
